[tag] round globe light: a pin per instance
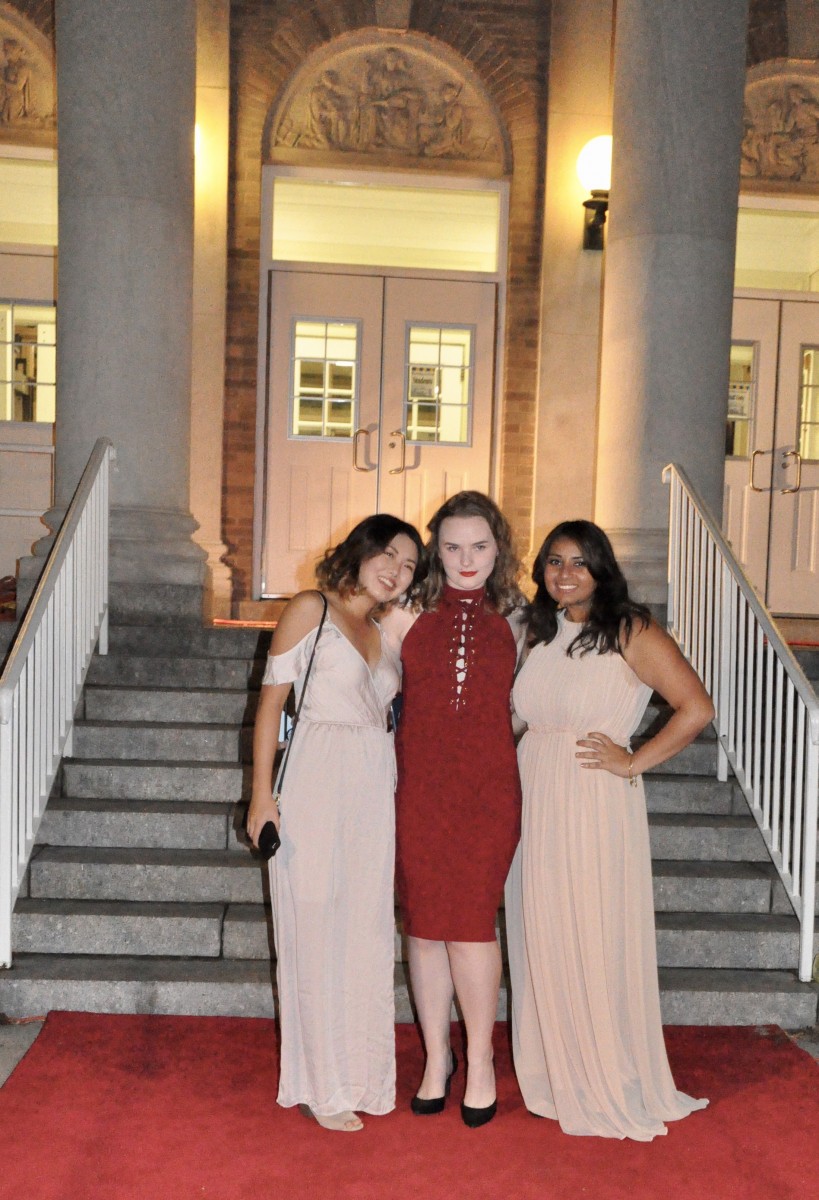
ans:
(594, 164)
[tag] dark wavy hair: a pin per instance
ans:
(502, 591)
(338, 570)
(612, 614)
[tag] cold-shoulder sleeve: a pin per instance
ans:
(287, 667)
(518, 625)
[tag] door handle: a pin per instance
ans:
(751, 483)
(399, 433)
(359, 433)
(792, 454)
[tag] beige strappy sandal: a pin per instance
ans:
(342, 1122)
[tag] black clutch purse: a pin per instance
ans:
(269, 840)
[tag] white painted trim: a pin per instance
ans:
(43, 153)
(807, 204)
(415, 179)
(772, 294)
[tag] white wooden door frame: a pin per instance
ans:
(267, 265)
(772, 465)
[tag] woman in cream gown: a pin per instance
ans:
(587, 1035)
(331, 882)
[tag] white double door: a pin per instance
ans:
(378, 399)
(771, 501)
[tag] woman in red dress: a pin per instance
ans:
(458, 799)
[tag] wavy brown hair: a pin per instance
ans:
(502, 591)
(338, 570)
(612, 614)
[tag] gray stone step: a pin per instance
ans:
(710, 838)
(722, 887)
(209, 706)
(700, 758)
(728, 997)
(185, 743)
(133, 670)
(781, 903)
(159, 824)
(169, 641)
(748, 942)
(190, 987)
(240, 987)
(155, 603)
(91, 873)
(808, 659)
(214, 783)
(693, 794)
(113, 927)
(758, 942)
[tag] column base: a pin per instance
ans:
(643, 558)
(218, 581)
(150, 550)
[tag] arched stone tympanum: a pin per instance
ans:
(373, 98)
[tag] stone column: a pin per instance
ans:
(126, 89)
(210, 294)
(679, 72)
(579, 109)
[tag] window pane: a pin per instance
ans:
(741, 400)
(449, 229)
(325, 378)
(27, 362)
(437, 404)
(809, 404)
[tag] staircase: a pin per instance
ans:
(142, 896)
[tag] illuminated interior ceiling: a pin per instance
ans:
(28, 202)
(778, 249)
(442, 229)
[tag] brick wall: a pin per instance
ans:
(767, 31)
(506, 44)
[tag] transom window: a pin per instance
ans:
(809, 404)
(438, 401)
(741, 398)
(27, 362)
(325, 373)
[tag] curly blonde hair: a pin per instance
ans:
(502, 591)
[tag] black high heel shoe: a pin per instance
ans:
(427, 1108)
(475, 1117)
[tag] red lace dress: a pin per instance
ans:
(458, 799)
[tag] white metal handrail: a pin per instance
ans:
(767, 718)
(43, 678)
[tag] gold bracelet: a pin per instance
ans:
(631, 777)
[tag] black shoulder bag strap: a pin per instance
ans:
(277, 790)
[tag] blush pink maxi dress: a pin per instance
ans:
(587, 1035)
(331, 882)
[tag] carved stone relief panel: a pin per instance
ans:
(780, 143)
(388, 99)
(27, 87)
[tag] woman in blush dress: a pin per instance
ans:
(331, 881)
(587, 1036)
(458, 798)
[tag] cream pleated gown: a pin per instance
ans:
(587, 1036)
(331, 882)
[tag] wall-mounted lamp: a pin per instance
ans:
(594, 172)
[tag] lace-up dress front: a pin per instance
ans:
(331, 882)
(586, 1030)
(458, 800)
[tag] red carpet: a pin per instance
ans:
(176, 1108)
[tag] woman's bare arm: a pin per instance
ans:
(656, 661)
(301, 615)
